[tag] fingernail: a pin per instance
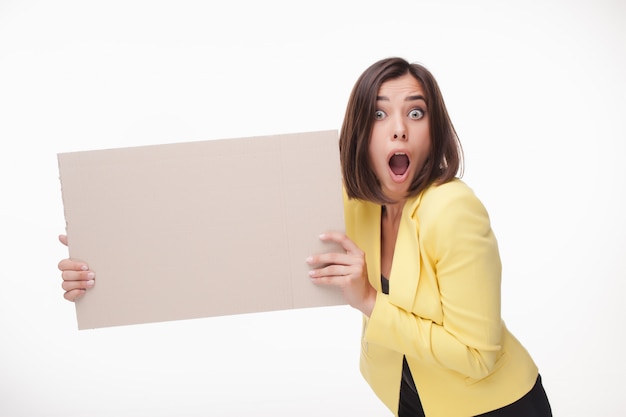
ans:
(84, 267)
(90, 283)
(91, 275)
(309, 259)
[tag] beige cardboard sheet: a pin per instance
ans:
(200, 229)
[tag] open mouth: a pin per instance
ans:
(399, 163)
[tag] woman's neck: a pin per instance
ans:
(392, 212)
(389, 225)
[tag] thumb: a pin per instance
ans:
(63, 239)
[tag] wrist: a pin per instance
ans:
(369, 302)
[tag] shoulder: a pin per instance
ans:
(358, 214)
(448, 196)
(354, 205)
(450, 207)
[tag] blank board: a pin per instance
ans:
(200, 229)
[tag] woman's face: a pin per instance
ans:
(400, 141)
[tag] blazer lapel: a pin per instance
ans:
(405, 268)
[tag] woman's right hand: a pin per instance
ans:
(77, 277)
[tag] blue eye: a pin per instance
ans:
(379, 115)
(416, 114)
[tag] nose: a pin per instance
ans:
(398, 128)
(399, 132)
(399, 136)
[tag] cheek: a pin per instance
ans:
(422, 148)
(373, 147)
(422, 136)
(376, 156)
(421, 130)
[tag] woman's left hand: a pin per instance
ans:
(347, 271)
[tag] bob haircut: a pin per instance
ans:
(443, 163)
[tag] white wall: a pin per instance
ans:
(537, 93)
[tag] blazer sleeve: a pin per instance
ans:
(459, 245)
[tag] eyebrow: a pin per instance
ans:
(408, 98)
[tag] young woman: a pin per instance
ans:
(420, 260)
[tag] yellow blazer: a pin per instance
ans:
(443, 307)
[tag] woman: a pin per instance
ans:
(433, 340)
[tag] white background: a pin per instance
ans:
(536, 90)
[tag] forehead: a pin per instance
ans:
(404, 85)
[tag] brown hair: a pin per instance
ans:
(446, 155)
